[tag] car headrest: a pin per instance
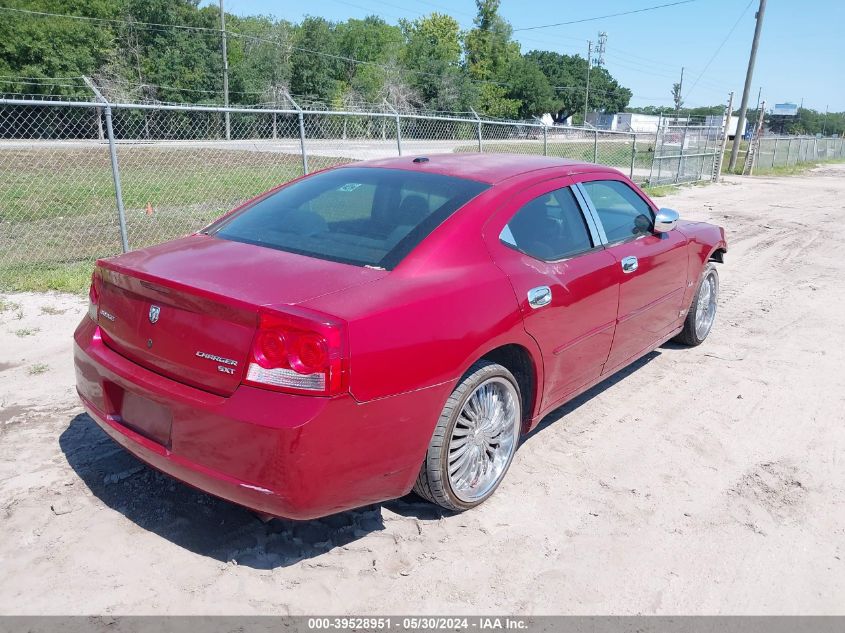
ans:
(412, 210)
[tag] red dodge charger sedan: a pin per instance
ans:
(385, 326)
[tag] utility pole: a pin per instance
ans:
(757, 108)
(678, 100)
(225, 70)
(587, 92)
(601, 47)
(749, 75)
(726, 129)
(824, 121)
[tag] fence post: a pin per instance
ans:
(477, 118)
(654, 149)
(775, 152)
(596, 146)
(633, 155)
(545, 140)
(681, 155)
(788, 151)
(118, 192)
(115, 171)
(702, 154)
(383, 124)
(398, 127)
(301, 118)
(100, 123)
(275, 127)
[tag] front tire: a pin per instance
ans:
(474, 441)
(702, 312)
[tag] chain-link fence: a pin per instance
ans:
(783, 151)
(685, 154)
(85, 180)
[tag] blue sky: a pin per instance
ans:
(801, 54)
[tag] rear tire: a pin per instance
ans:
(702, 312)
(474, 441)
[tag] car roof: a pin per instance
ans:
(488, 168)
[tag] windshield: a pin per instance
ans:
(355, 215)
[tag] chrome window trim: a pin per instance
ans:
(593, 221)
(597, 219)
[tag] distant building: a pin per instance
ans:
(624, 122)
(601, 120)
(718, 120)
(630, 122)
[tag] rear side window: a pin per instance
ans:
(355, 215)
(550, 227)
(622, 212)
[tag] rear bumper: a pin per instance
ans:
(291, 456)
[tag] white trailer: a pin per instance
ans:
(718, 120)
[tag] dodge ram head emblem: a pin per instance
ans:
(154, 312)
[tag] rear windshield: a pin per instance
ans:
(355, 215)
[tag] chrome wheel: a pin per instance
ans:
(484, 439)
(705, 306)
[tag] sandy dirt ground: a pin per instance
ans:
(706, 480)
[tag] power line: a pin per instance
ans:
(39, 83)
(603, 17)
(161, 27)
(164, 27)
(157, 26)
(86, 18)
(718, 50)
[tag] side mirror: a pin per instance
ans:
(665, 220)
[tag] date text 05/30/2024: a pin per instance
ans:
(419, 623)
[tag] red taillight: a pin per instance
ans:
(299, 351)
(93, 297)
(270, 350)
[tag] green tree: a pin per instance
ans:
(315, 61)
(562, 73)
(491, 57)
(36, 48)
(260, 61)
(568, 75)
(607, 94)
(170, 50)
(432, 54)
(809, 121)
(374, 44)
(528, 85)
(677, 98)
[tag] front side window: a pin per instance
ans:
(355, 215)
(622, 212)
(550, 227)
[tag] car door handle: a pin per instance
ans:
(539, 296)
(629, 264)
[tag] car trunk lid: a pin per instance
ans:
(188, 309)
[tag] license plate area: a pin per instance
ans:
(142, 415)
